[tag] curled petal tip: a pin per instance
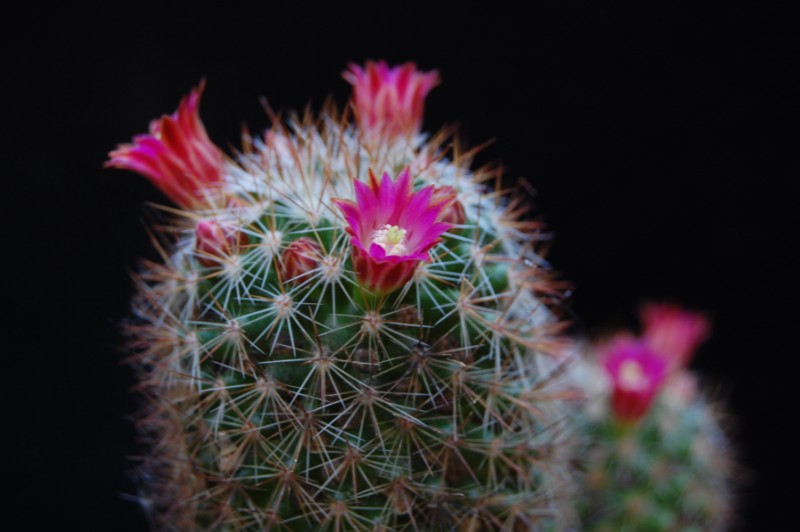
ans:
(176, 155)
(673, 331)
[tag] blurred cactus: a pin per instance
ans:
(656, 458)
(351, 329)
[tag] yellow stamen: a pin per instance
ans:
(631, 376)
(391, 238)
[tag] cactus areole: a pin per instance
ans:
(349, 329)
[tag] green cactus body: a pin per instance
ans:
(312, 403)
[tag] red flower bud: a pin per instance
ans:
(452, 210)
(214, 241)
(300, 259)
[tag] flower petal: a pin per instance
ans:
(389, 101)
(177, 156)
(413, 228)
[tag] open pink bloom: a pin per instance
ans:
(392, 228)
(673, 332)
(390, 101)
(177, 156)
(637, 374)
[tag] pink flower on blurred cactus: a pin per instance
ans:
(177, 156)
(637, 374)
(392, 228)
(214, 241)
(673, 332)
(390, 100)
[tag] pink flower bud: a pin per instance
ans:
(176, 156)
(300, 259)
(390, 101)
(392, 230)
(637, 374)
(672, 332)
(452, 211)
(214, 241)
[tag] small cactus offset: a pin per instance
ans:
(351, 329)
(655, 456)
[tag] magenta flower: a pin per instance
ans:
(392, 229)
(390, 101)
(176, 156)
(637, 374)
(673, 332)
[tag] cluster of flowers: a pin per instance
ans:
(639, 367)
(392, 227)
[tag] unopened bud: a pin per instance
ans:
(214, 241)
(300, 259)
(452, 210)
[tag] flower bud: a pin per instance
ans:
(300, 259)
(452, 210)
(215, 240)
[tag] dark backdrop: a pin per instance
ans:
(657, 140)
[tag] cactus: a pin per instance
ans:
(656, 457)
(351, 329)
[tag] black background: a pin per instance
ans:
(657, 139)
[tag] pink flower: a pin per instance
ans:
(390, 101)
(637, 374)
(392, 229)
(215, 241)
(672, 332)
(177, 156)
